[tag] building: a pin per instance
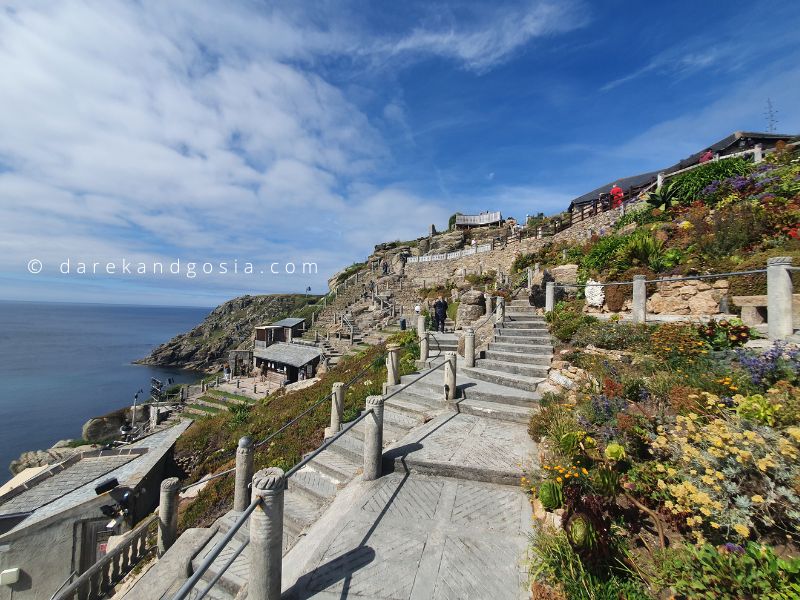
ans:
(481, 220)
(283, 363)
(55, 525)
(280, 331)
(739, 141)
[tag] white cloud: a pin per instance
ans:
(493, 34)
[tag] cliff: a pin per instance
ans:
(226, 328)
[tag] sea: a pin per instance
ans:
(61, 364)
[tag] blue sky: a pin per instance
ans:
(308, 132)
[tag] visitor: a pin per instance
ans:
(616, 194)
(440, 313)
(474, 243)
(417, 309)
(385, 267)
(707, 156)
(226, 371)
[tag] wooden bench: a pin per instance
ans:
(754, 309)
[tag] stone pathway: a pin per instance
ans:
(412, 536)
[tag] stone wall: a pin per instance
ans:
(692, 298)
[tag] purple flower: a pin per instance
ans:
(730, 548)
(769, 367)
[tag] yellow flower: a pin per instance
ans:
(714, 524)
(558, 479)
(584, 471)
(757, 499)
(742, 530)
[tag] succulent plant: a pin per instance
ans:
(581, 533)
(606, 481)
(614, 451)
(551, 495)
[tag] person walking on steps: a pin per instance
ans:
(440, 313)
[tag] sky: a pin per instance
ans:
(277, 134)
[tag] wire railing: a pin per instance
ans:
(660, 280)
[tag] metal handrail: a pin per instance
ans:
(663, 280)
(409, 384)
(188, 586)
(61, 587)
(224, 568)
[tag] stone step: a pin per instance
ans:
(520, 382)
(520, 347)
(513, 368)
(419, 394)
(495, 410)
(299, 513)
(391, 431)
(349, 447)
(406, 405)
(314, 485)
(518, 357)
(485, 391)
(335, 465)
(526, 332)
(530, 340)
(232, 579)
(524, 318)
(532, 325)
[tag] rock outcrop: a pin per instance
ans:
(472, 306)
(227, 327)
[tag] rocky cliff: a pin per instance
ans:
(226, 328)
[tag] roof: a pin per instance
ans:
(290, 322)
(726, 145)
(71, 483)
(294, 355)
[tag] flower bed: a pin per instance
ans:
(673, 469)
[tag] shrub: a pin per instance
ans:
(724, 334)
(730, 571)
(613, 336)
(730, 477)
(642, 249)
(676, 341)
(603, 253)
(689, 186)
(565, 319)
(771, 366)
(616, 295)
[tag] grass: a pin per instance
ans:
(221, 395)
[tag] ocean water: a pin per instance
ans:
(61, 364)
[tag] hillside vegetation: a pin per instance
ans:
(227, 327)
(672, 467)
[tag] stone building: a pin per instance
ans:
(54, 526)
(286, 363)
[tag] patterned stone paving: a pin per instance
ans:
(418, 537)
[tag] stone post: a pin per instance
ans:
(316, 336)
(659, 181)
(537, 267)
(530, 277)
(337, 407)
(758, 153)
(450, 375)
(487, 298)
(167, 514)
(424, 347)
(500, 313)
(549, 296)
(373, 438)
(244, 474)
(266, 535)
(469, 347)
(779, 298)
(420, 326)
(393, 364)
(639, 310)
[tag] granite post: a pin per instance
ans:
(337, 407)
(167, 514)
(450, 375)
(393, 364)
(779, 297)
(244, 474)
(469, 347)
(549, 296)
(266, 535)
(639, 309)
(373, 438)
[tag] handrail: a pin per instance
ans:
(662, 280)
(188, 586)
(61, 587)
(409, 384)
(222, 571)
(134, 537)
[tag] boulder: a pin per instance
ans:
(473, 298)
(565, 273)
(468, 314)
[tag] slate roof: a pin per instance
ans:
(727, 145)
(290, 322)
(76, 482)
(294, 355)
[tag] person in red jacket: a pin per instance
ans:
(616, 196)
(707, 156)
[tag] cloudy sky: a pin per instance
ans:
(309, 131)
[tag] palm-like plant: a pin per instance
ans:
(663, 197)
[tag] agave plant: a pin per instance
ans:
(663, 197)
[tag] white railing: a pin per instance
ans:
(484, 219)
(449, 255)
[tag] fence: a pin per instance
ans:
(451, 255)
(477, 220)
(779, 299)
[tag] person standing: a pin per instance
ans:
(617, 195)
(440, 313)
